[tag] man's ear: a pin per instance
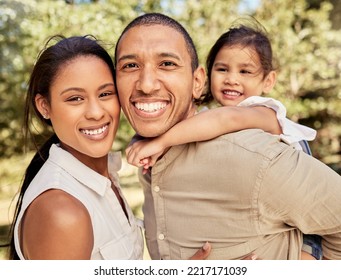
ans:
(199, 78)
(42, 106)
(269, 82)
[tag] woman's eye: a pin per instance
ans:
(107, 93)
(74, 99)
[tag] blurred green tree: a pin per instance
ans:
(308, 51)
(305, 35)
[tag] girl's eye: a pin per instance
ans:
(245, 72)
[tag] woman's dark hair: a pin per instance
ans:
(48, 65)
(251, 34)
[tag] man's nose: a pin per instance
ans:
(148, 81)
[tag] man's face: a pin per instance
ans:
(154, 77)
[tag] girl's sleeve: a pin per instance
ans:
(292, 132)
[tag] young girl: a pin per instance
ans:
(240, 68)
(71, 205)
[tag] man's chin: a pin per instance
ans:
(149, 132)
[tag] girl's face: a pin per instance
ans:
(84, 108)
(237, 74)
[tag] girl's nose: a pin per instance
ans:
(231, 79)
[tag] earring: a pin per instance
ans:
(46, 116)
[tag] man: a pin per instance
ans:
(243, 192)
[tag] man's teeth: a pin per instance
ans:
(233, 93)
(150, 107)
(94, 131)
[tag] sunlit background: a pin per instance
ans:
(306, 40)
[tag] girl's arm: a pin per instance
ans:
(203, 126)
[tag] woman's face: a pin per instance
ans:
(84, 108)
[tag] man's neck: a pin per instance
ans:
(192, 111)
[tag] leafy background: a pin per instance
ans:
(306, 40)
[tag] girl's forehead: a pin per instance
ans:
(239, 52)
(249, 49)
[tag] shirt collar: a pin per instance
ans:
(83, 173)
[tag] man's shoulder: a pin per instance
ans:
(251, 140)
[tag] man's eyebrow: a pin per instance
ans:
(127, 56)
(163, 54)
(168, 54)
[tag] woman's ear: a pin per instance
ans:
(42, 106)
(269, 82)
(199, 78)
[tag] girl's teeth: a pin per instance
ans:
(233, 93)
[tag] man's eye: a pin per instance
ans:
(130, 65)
(168, 63)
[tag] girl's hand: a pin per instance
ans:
(144, 153)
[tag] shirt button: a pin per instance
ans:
(156, 188)
(161, 236)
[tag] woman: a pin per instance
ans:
(71, 205)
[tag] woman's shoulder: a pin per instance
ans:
(60, 207)
(58, 221)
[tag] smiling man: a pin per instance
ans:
(243, 192)
(157, 78)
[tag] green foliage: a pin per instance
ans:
(26, 26)
(309, 82)
(305, 43)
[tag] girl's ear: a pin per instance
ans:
(42, 106)
(269, 82)
(198, 82)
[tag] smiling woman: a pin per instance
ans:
(71, 204)
(83, 106)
